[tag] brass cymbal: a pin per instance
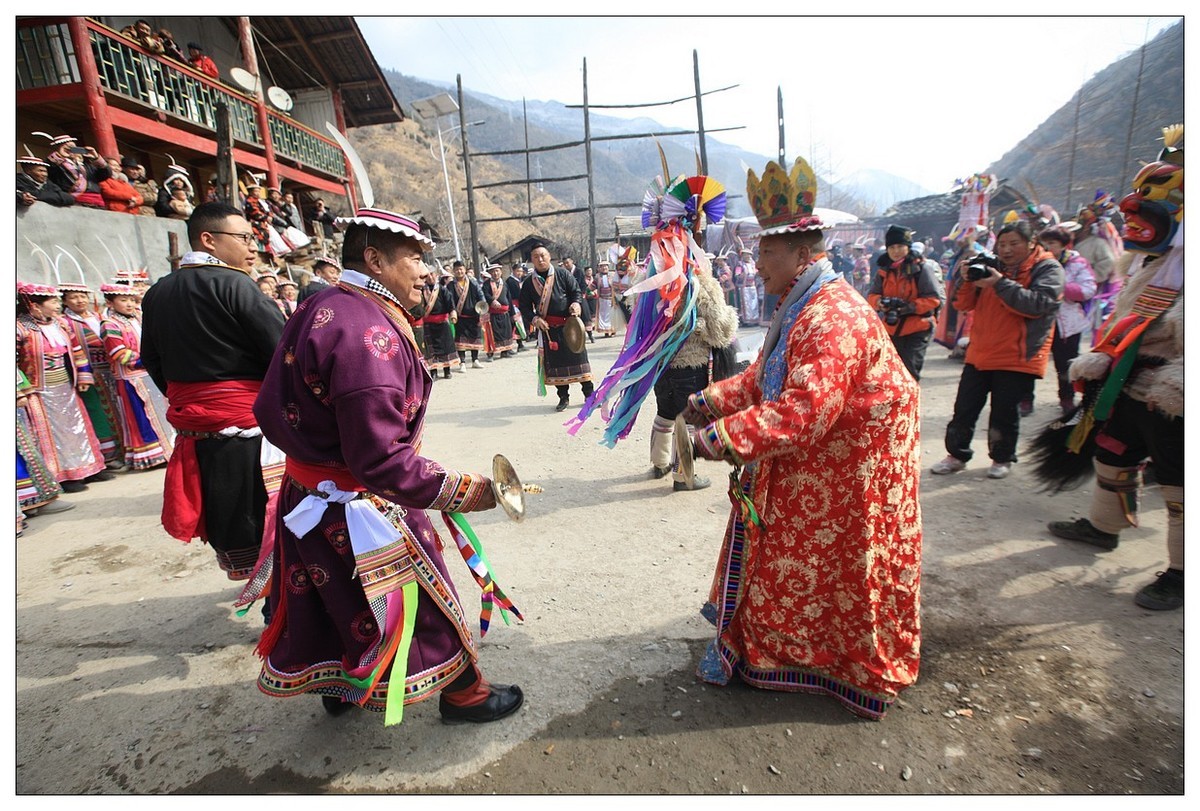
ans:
(481, 307)
(575, 334)
(510, 494)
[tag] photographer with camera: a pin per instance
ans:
(907, 293)
(1015, 295)
(77, 170)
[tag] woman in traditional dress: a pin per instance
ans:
(149, 438)
(604, 294)
(56, 366)
(103, 408)
(37, 491)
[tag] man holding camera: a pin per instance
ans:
(1015, 295)
(907, 294)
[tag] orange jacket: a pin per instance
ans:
(918, 283)
(1013, 324)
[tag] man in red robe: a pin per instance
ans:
(817, 587)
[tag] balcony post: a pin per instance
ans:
(340, 122)
(246, 39)
(102, 135)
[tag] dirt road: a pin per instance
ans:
(135, 675)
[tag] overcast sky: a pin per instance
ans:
(929, 98)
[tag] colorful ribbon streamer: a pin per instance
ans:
(739, 499)
(472, 552)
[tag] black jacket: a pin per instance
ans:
(48, 192)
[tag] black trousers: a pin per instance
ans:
(1064, 351)
(1134, 431)
(1007, 390)
(564, 392)
(911, 349)
(235, 500)
(675, 386)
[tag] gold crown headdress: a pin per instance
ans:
(783, 202)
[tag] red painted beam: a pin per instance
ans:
(97, 105)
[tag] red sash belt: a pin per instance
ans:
(498, 308)
(437, 318)
(308, 475)
(555, 320)
(202, 408)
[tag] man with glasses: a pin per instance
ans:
(208, 335)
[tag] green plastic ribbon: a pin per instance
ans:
(393, 712)
(461, 521)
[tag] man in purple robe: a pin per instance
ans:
(355, 556)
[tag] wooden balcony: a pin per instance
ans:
(156, 89)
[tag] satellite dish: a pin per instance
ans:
(244, 79)
(279, 98)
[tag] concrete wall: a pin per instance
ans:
(90, 236)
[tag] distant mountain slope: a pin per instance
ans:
(407, 172)
(1041, 163)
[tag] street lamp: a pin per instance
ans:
(433, 108)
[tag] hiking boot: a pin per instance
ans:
(698, 483)
(951, 464)
(999, 470)
(1163, 594)
(1082, 530)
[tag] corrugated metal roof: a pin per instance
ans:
(331, 52)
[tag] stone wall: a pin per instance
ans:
(100, 241)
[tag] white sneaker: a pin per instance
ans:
(476, 364)
(999, 470)
(950, 464)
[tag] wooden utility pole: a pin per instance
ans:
(587, 149)
(528, 187)
(699, 115)
(779, 96)
(173, 254)
(226, 168)
(462, 124)
(1067, 210)
(1137, 89)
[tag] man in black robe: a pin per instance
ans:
(468, 334)
(208, 335)
(548, 298)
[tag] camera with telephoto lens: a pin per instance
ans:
(891, 309)
(979, 266)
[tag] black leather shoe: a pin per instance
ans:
(102, 476)
(73, 486)
(502, 701)
(563, 402)
(335, 706)
(658, 472)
